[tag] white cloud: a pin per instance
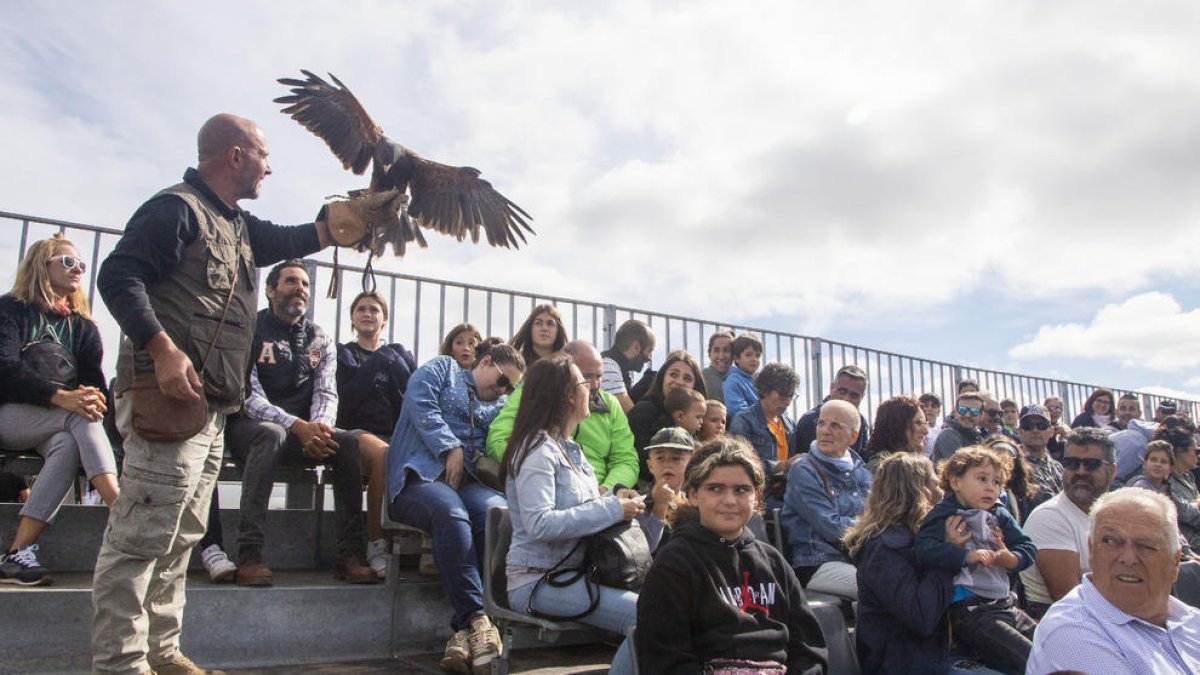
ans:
(1150, 330)
(1170, 392)
(823, 162)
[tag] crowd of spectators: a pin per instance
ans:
(981, 518)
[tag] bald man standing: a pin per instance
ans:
(186, 254)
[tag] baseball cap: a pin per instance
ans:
(1035, 410)
(671, 437)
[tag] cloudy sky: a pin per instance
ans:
(1010, 184)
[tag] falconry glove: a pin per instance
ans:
(352, 221)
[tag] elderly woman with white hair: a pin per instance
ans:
(826, 491)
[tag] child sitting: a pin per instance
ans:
(982, 615)
(686, 408)
(667, 456)
(714, 421)
(717, 600)
(738, 390)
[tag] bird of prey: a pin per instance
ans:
(450, 199)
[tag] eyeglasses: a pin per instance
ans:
(583, 383)
(994, 413)
(1031, 426)
(969, 410)
(503, 382)
(1090, 464)
(69, 262)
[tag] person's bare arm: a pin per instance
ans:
(1060, 571)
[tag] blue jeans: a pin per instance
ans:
(455, 521)
(616, 613)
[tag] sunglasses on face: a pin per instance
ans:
(969, 410)
(1091, 464)
(1032, 426)
(994, 413)
(503, 382)
(69, 262)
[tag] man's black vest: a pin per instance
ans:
(285, 359)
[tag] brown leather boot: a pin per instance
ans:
(252, 571)
(351, 569)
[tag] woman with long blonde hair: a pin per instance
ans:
(902, 625)
(52, 394)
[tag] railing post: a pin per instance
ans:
(610, 325)
(818, 373)
(311, 267)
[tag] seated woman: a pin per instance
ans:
(57, 411)
(826, 490)
(460, 343)
(900, 426)
(901, 626)
(717, 599)
(554, 500)
(541, 334)
(1181, 484)
(649, 415)
(1097, 410)
(431, 483)
(766, 424)
(371, 380)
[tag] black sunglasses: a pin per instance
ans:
(1030, 426)
(503, 382)
(1090, 464)
(994, 413)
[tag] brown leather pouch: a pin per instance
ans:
(160, 418)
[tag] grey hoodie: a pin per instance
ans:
(1131, 445)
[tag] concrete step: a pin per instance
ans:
(307, 617)
(72, 542)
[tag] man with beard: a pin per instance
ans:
(604, 435)
(1045, 473)
(1128, 408)
(289, 417)
(632, 346)
(1059, 527)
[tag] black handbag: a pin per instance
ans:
(617, 556)
(51, 361)
(46, 355)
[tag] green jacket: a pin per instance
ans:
(606, 439)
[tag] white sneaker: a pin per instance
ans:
(216, 561)
(378, 556)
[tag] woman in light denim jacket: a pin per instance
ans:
(554, 500)
(432, 484)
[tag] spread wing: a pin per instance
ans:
(454, 200)
(333, 113)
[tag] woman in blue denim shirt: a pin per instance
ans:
(432, 486)
(554, 500)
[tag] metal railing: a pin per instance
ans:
(423, 309)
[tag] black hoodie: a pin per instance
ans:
(706, 598)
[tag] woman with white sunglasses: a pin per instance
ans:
(52, 394)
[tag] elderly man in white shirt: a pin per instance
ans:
(1121, 618)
